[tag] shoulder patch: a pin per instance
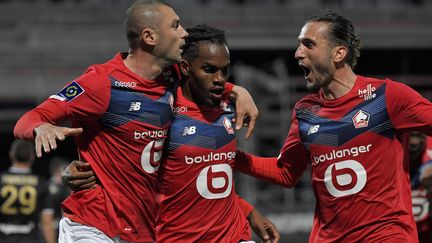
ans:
(70, 92)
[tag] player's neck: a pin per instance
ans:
(186, 92)
(342, 82)
(144, 65)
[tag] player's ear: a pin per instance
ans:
(339, 53)
(149, 37)
(184, 67)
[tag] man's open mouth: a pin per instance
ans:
(306, 70)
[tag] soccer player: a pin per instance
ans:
(26, 210)
(420, 197)
(121, 111)
(353, 132)
(197, 197)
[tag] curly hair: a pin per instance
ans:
(199, 34)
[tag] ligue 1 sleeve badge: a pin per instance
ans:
(361, 119)
(70, 92)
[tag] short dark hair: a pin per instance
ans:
(199, 34)
(140, 15)
(22, 151)
(341, 32)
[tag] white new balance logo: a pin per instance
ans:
(189, 130)
(135, 106)
(313, 129)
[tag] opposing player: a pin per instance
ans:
(26, 210)
(353, 133)
(121, 111)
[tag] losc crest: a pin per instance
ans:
(361, 119)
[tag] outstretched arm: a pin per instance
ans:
(267, 168)
(85, 98)
(37, 124)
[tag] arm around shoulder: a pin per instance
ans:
(266, 168)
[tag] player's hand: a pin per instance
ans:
(46, 136)
(78, 176)
(426, 177)
(263, 227)
(246, 110)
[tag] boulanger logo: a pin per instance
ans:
(152, 134)
(345, 178)
(210, 157)
(151, 156)
(215, 181)
(361, 119)
(341, 153)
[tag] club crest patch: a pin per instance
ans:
(70, 92)
(361, 119)
(228, 126)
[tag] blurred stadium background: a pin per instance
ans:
(45, 43)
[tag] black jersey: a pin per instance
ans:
(23, 196)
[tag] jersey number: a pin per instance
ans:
(215, 181)
(26, 196)
(345, 178)
(151, 156)
(420, 205)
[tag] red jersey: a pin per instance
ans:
(357, 148)
(421, 199)
(125, 120)
(197, 201)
